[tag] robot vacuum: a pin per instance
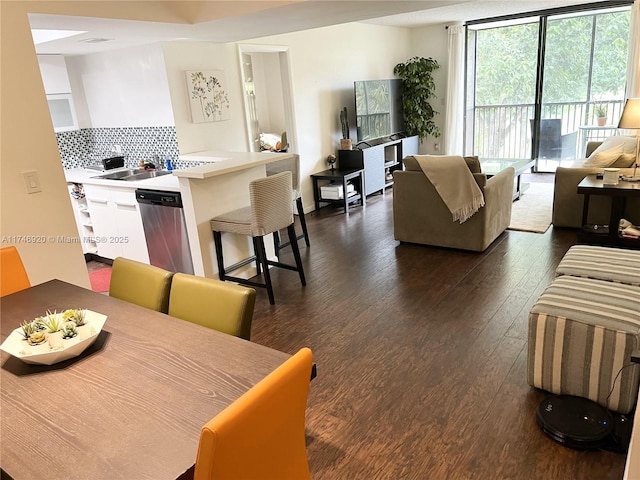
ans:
(576, 422)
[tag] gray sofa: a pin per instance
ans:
(420, 215)
(567, 203)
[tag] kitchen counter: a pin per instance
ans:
(218, 185)
(221, 163)
(81, 175)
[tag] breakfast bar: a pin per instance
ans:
(215, 187)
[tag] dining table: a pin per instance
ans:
(130, 406)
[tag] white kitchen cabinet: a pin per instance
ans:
(117, 224)
(83, 219)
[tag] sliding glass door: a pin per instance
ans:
(504, 81)
(537, 85)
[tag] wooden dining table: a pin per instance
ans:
(132, 405)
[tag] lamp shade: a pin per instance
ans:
(630, 114)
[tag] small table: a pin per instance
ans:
(340, 177)
(491, 166)
(607, 235)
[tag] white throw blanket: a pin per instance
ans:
(454, 182)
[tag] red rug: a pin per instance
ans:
(100, 279)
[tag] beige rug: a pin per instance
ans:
(532, 213)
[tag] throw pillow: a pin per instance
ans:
(628, 145)
(626, 160)
(604, 158)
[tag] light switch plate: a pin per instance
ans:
(32, 181)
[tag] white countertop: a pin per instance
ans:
(81, 175)
(219, 163)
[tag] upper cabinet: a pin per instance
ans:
(53, 70)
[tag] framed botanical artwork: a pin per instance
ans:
(208, 95)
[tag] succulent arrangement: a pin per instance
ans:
(36, 331)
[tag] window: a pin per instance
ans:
(535, 85)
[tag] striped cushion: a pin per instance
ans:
(604, 263)
(581, 333)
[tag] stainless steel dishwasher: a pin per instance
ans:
(165, 229)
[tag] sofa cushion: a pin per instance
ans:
(610, 151)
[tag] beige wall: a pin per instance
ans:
(28, 143)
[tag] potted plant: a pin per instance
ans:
(53, 324)
(600, 112)
(418, 86)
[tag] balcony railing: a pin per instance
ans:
(504, 131)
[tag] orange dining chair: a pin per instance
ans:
(13, 276)
(261, 435)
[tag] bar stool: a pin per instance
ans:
(290, 164)
(270, 210)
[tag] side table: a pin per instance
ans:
(339, 177)
(591, 185)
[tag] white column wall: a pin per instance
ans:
(121, 88)
(432, 41)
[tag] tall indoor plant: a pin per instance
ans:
(418, 87)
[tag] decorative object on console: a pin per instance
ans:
(331, 160)
(208, 96)
(418, 87)
(630, 119)
(345, 142)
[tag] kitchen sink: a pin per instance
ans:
(147, 174)
(120, 174)
(133, 174)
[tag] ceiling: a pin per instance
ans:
(224, 21)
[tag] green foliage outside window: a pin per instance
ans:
(507, 58)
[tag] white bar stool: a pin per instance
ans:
(290, 164)
(271, 210)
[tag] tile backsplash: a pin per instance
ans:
(88, 146)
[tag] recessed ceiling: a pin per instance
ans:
(252, 20)
(44, 35)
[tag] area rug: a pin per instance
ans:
(100, 279)
(532, 212)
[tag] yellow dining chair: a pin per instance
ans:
(261, 435)
(140, 283)
(13, 276)
(221, 306)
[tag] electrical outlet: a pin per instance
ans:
(436, 147)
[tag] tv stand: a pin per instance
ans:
(379, 160)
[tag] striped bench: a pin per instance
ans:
(581, 333)
(604, 263)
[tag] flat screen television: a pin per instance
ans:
(378, 108)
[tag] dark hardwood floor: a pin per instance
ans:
(421, 353)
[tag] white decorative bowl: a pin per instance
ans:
(44, 354)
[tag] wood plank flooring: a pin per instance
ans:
(421, 353)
